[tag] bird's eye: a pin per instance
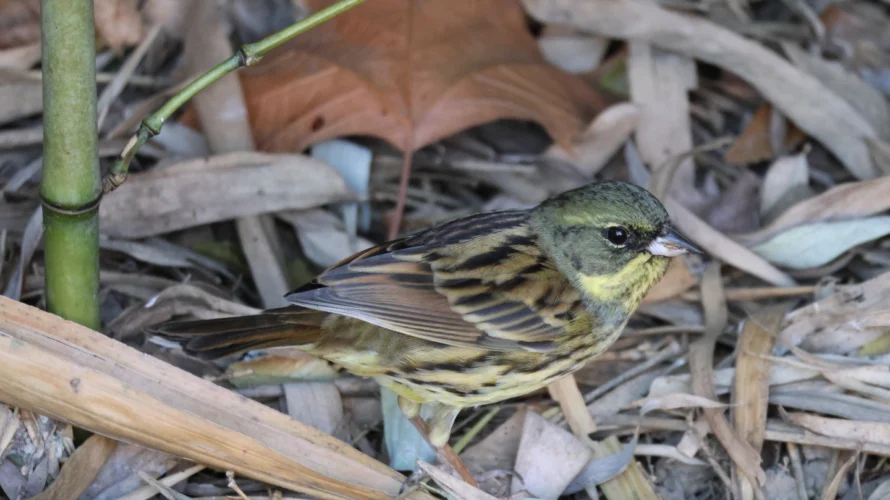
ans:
(617, 235)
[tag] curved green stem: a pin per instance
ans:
(248, 55)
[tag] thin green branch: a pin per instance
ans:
(249, 55)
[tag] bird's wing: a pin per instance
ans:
(479, 281)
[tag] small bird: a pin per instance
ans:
(473, 311)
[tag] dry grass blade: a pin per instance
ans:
(832, 488)
(81, 469)
(73, 373)
(701, 360)
(751, 384)
(800, 96)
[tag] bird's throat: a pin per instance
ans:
(625, 288)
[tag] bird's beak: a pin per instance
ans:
(672, 244)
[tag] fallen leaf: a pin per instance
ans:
(800, 96)
(549, 458)
(857, 33)
(323, 237)
(410, 73)
(841, 309)
(850, 200)
(786, 182)
(870, 103)
(118, 22)
(813, 245)
(600, 141)
(118, 474)
(81, 468)
(754, 145)
(456, 487)
(186, 194)
(736, 209)
(571, 50)
(316, 404)
(497, 450)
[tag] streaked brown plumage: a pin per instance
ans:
(476, 310)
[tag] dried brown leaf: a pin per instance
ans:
(800, 96)
(186, 194)
(411, 74)
(754, 145)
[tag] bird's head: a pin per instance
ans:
(614, 239)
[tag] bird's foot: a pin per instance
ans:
(411, 483)
(445, 453)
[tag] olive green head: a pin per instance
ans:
(602, 228)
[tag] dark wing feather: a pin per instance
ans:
(480, 281)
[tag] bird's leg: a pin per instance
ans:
(440, 425)
(409, 408)
(444, 452)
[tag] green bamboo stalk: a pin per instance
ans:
(71, 187)
(247, 55)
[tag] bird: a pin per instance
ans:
(473, 311)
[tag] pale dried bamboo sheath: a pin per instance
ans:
(77, 375)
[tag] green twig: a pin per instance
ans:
(248, 55)
(71, 187)
(475, 430)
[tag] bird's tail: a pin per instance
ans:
(217, 338)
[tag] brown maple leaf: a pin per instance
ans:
(411, 72)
